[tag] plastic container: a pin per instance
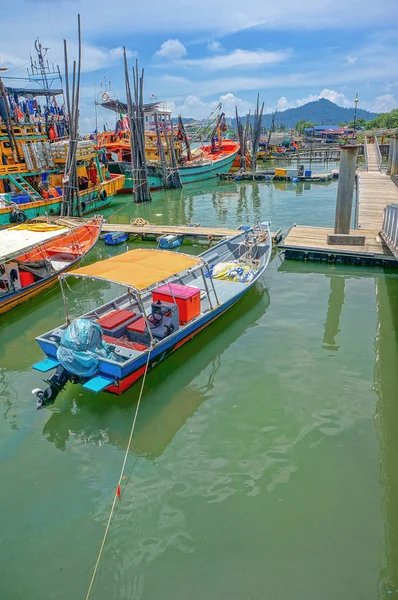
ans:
(116, 322)
(26, 278)
(280, 173)
(186, 297)
(292, 172)
(23, 199)
(308, 173)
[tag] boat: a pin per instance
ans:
(169, 298)
(168, 241)
(32, 256)
(31, 186)
(114, 238)
(205, 164)
(33, 153)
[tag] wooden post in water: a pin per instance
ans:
(345, 190)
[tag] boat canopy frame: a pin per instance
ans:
(139, 293)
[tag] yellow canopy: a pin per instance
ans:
(139, 268)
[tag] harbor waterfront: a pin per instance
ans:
(263, 464)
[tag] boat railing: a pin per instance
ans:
(85, 150)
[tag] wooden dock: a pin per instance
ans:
(375, 191)
(150, 231)
(269, 175)
(154, 231)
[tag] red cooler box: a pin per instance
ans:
(186, 297)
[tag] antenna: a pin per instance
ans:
(41, 72)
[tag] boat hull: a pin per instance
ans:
(91, 201)
(188, 174)
(191, 174)
(125, 383)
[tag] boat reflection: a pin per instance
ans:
(170, 396)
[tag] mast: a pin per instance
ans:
(8, 121)
(184, 134)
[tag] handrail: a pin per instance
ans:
(365, 147)
(378, 153)
(389, 231)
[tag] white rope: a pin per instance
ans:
(120, 480)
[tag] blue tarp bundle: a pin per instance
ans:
(80, 348)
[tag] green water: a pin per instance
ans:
(264, 459)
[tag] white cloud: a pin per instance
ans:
(172, 50)
(384, 103)
(93, 57)
(336, 97)
(351, 60)
(195, 107)
(249, 59)
(116, 54)
(215, 46)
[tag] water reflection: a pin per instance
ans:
(170, 398)
(335, 306)
(386, 419)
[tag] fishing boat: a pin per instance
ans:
(34, 149)
(33, 256)
(169, 298)
(204, 164)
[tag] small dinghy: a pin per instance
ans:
(114, 238)
(170, 241)
(169, 298)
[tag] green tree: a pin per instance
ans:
(384, 120)
(361, 122)
(301, 125)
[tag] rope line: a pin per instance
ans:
(120, 480)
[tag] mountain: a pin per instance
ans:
(321, 112)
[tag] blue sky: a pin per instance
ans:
(198, 53)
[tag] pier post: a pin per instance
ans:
(345, 190)
(391, 150)
(394, 156)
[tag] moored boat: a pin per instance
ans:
(169, 241)
(169, 298)
(32, 257)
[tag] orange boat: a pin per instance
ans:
(32, 257)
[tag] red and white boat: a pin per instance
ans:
(33, 255)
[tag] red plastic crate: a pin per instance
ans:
(186, 297)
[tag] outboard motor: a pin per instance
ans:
(81, 346)
(56, 383)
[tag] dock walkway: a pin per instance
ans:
(152, 231)
(375, 191)
(149, 230)
(372, 162)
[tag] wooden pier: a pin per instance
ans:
(374, 191)
(150, 232)
(269, 175)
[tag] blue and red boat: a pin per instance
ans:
(169, 298)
